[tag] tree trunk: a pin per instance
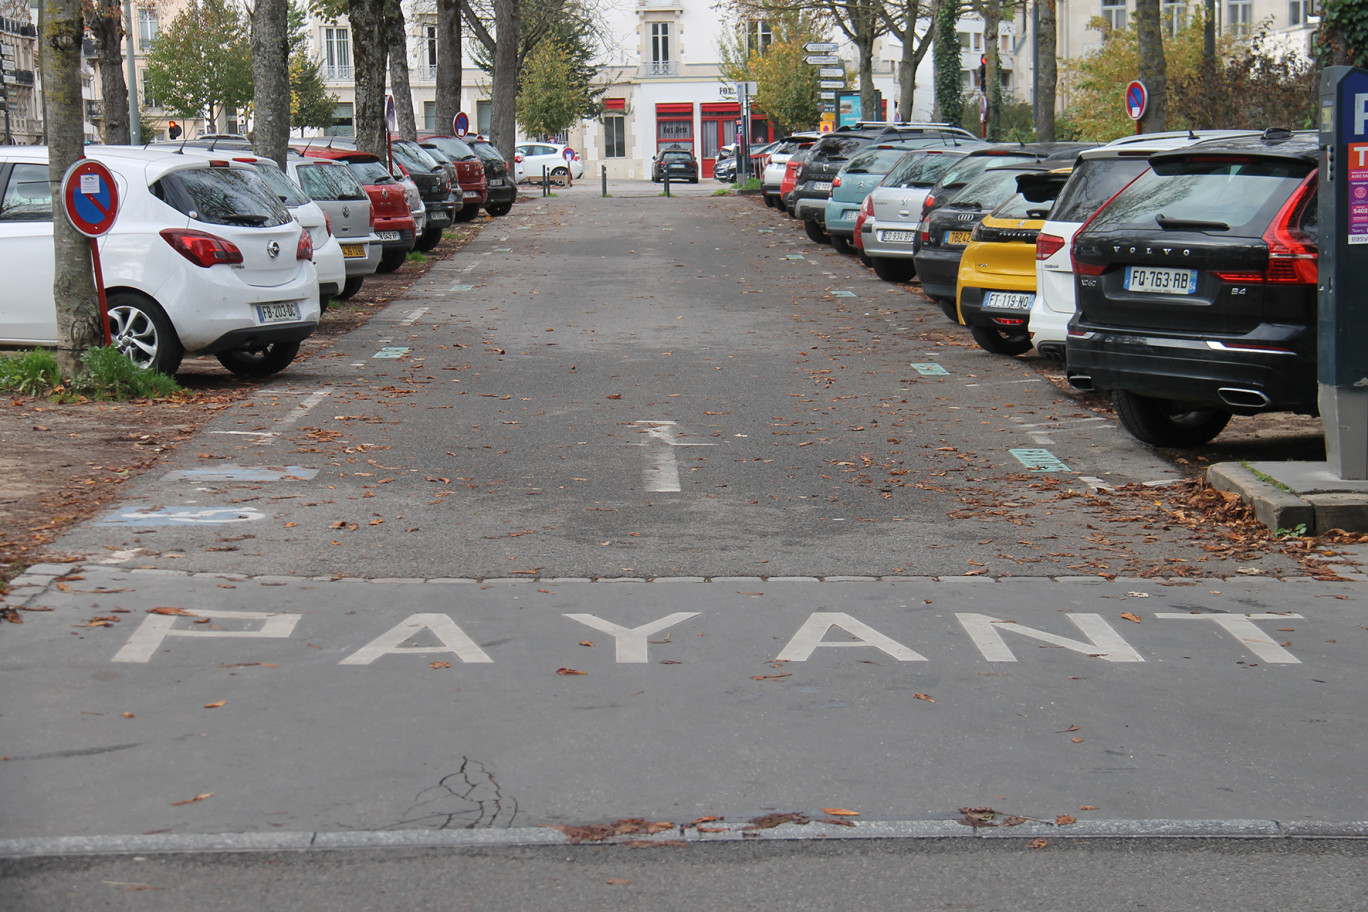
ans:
(449, 65)
(106, 27)
(866, 30)
(271, 80)
(368, 69)
(396, 32)
(913, 52)
(73, 283)
(504, 116)
(1149, 39)
(992, 89)
(1047, 73)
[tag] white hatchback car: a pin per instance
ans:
(202, 259)
(531, 157)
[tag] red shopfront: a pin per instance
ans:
(675, 126)
(720, 121)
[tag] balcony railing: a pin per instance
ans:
(337, 72)
(660, 68)
(94, 109)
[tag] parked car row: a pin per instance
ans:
(219, 251)
(1176, 272)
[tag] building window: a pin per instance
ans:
(978, 41)
(148, 99)
(336, 54)
(430, 116)
(484, 111)
(759, 35)
(661, 62)
(147, 28)
(1173, 15)
(615, 137)
(431, 44)
(1114, 13)
(1240, 17)
(342, 120)
(1300, 12)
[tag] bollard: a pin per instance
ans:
(604, 173)
(546, 181)
(665, 177)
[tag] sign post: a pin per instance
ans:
(1136, 101)
(91, 201)
(1342, 310)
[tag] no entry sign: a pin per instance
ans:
(90, 197)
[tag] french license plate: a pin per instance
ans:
(905, 237)
(1009, 300)
(354, 250)
(470, 193)
(496, 182)
(388, 235)
(284, 312)
(821, 185)
(1157, 278)
(959, 238)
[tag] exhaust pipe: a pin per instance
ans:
(1053, 353)
(1082, 382)
(1242, 398)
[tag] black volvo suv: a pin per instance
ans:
(1196, 289)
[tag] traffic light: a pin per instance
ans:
(173, 130)
(983, 71)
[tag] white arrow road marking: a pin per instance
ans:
(662, 469)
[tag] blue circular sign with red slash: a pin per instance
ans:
(1137, 99)
(460, 124)
(90, 197)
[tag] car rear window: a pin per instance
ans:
(987, 190)
(837, 148)
(679, 156)
(329, 182)
(488, 152)
(222, 196)
(455, 149)
(1095, 181)
(970, 166)
(874, 161)
(1241, 194)
(414, 158)
(289, 192)
(1019, 207)
(28, 195)
(919, 169)
(371, 172)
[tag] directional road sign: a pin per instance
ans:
(822, 59)
(832, 84)
(820, 47)
(831, 73)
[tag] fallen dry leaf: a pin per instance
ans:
(840, 812)
(1064, 820)
(1037, 843)
(926, 697)
(199, 797)
(215, 705)
(570, 671)
(1131, 617)
(1088, 807)
(771, 677)
(769, 821)
(177, 611)
(439, 665)
(617, 881)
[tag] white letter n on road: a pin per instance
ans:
(1103, 642)
(155, 628)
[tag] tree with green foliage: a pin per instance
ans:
(786, 85)
(946, 57)
(201, 64)
(550, 99)
(311, 104)
(1252, 86)
(1342, 39)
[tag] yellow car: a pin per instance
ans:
(996, 285)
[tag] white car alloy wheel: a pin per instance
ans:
(142, 333)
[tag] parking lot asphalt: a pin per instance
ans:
(650, 508)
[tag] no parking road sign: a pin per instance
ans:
(90, 197)
(91, 201)
(1137, 99)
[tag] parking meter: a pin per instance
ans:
(1342, 317)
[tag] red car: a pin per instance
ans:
(390, 214)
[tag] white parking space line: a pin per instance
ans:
(661, 474)
(413, 316)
